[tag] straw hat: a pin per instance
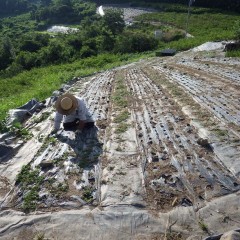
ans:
(66, 104)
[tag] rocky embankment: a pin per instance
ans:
(161, 163)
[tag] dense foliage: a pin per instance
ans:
(63, 11)
(24, 44)
(233, 5)
(13, 6)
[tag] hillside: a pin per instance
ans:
(162, 162)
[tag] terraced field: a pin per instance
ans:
(163, 161)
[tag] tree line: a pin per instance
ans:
(13, 6)
(95, 35)
(232, 5)
(23, 46)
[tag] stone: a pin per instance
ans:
(46, 164)
(203, 142)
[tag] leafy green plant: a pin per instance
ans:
(20, 131)
(29, 182)
(28, 177)
(3, 126)
(30, 200)
(43, 117)
(87, 194)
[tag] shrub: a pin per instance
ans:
(135, 42)
(86, 51)
(173, 35)
(237, 30)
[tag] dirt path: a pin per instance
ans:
(164, 155)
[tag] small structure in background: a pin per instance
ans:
(166, 52)
(62, 29)
(158, 34)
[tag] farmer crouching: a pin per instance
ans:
(73, 112)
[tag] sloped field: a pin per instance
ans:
(162, 163)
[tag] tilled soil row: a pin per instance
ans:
(210, 94)
(178, 171)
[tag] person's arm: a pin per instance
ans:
(57, 121)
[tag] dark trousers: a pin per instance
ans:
(73, 126)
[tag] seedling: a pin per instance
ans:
(87, 194)
(44, 116)
(29, 181)
(203, 226)
(20, 131)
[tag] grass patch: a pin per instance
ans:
(234, 53)
(121, 128)
(204, 24)
(220, 132)
(121, 102)
(123, 116)
(120, 95)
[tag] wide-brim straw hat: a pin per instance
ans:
(66, 104)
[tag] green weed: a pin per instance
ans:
(30, 182)
(87, 194)
(121, 128)
(203, 226)
(43, 117)
(30, 199)
(59, 190)
(123, 116)
(20, 131)
(220, 132)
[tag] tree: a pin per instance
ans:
(27, 60)
(7, 53)
(106, 41)
(113, 20)
(135, 42)
(237, 30)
